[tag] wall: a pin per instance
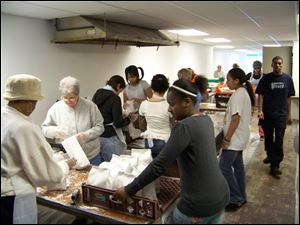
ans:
(295, 69)
(295, 101)
(26, 48)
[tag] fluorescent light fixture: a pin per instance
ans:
(223, 46)
(241, 50)
(276, 45)
(217, 40)
(189, 32)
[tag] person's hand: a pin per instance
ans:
(87, 167)
(289, 120)
(121, 194)
(60, 134)
(133, 116)
(81, 137)
(71, 162)
(260, 115)
(125, 105)
(138, 100)
(225, 144)
(135, 99)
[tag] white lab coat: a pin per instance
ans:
(26, 162)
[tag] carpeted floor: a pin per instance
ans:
(270, 201)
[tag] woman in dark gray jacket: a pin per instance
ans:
(204, 190)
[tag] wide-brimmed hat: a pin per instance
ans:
(23, 87)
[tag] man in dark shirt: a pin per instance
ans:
(274, 107)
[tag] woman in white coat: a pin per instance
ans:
(73, 115)
(26, 157)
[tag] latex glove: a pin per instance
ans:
(60, 133)
(81, 137)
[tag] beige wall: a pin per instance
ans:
(270, 52)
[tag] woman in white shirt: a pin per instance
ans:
(154, 116)
(236, 136)
(74, 115)
(26, 157)
(137, 90)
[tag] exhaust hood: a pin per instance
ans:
(86, 30)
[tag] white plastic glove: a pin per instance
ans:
(60, 133)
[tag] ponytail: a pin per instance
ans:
(142, 73)
(249, 89)
(133, 70)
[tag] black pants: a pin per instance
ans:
(274, 133)
(7, 209)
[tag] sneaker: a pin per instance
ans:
(234, 206)
(275, 172)
(267, 160)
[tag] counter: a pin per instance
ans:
(61, 200)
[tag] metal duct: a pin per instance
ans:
(85, 30)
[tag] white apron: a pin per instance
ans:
(120, 135)
(25, 209)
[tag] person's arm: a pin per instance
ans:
(289, 121)
(50, 127)
(142, 119)
(178, 142)
(97, 127)
(234, 123)
(260, 113)
(118, 119)
(125, 99)
(37, 158)
(149, 92)
(142, 123)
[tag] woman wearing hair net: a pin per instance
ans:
(26, 157)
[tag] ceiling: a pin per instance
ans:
(248, 24)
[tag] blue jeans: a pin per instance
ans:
(177, 217)
(109, 146)
(232, 166)
(96, 160)
(156, 148)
